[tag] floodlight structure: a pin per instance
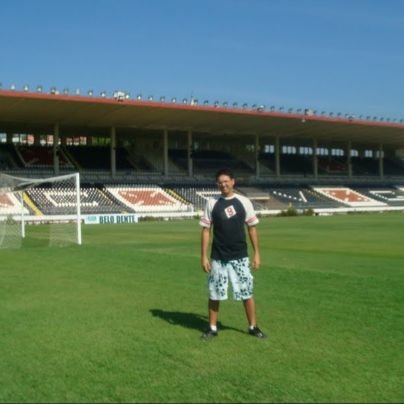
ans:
(103, 94)
(26, 88)
(184, 101)
(119, 95)
(162, 99)
(139, 97)
(53, 90)
(90, 93)
(39, 89)
(174, 100)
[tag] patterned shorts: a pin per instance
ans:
(238, 271)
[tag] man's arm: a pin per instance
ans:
(253, 235)
(205, 236)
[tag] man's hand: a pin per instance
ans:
(256, 262)
(205, 263)
(205, 235)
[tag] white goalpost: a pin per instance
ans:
(46, 210)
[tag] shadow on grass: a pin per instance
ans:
(187, 320)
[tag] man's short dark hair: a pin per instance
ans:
(224, 171)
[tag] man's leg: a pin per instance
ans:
(213, 306)
(249, 307)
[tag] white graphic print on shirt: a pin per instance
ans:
(230, 211)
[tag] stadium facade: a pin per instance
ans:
(303, 158)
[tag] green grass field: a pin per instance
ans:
(118, 319)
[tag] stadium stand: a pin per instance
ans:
(299, 197)
(195, 194)
(90, 157)
(393, 166)
(143, 180)
(147, 198)
(9, 157)
(296, 164)
(316, 200)
(348, 196)
(41, 157)
(99, 157)
(208, 161)
(260, 198)
(365, 166)
(93, 201)
(332, 165)
(268, 161)
(389, 195)
(9, 205)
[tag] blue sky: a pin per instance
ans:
(332, 55)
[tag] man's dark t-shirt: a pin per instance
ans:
(229, 217)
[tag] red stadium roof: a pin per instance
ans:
(24, 112)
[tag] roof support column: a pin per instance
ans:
(277, 158)
(56, 149)
(165, 151)
(189, 155)
(37, 139)
(257, 155)
(381, 165)
(113, 151)
(315, 159)
(349, 158)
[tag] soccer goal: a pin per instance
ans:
(45, 210)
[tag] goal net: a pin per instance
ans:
(43, 211)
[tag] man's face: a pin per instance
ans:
(225, 184)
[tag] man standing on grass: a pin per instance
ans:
(228, 215)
